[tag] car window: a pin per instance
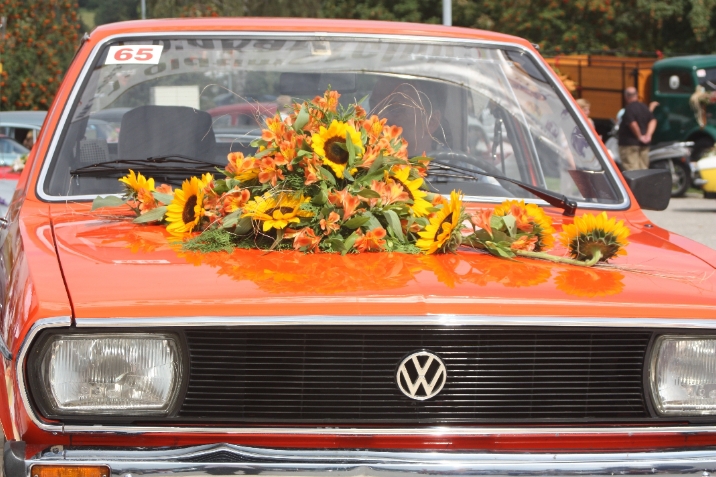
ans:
(481, 108)
(707, 78)
(674, 81)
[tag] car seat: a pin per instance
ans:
(151, 131)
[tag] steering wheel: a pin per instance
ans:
(461, 159)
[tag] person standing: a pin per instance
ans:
(635, 132)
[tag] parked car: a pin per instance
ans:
(706, 172)
(10, 151)
(18, 124)
(125, 355)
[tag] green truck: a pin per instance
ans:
(674, 81)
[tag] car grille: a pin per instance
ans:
(343, 374)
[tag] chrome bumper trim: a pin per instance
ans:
(207, 460)
(392, 320)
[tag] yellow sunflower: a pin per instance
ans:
(530, 218)
(443, 231)
(187, 207)
(412, 187)
(137, 182)
(329, 145)
(277, 211)
(590, 233)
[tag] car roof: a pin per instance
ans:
(686, 62)
(303, 25)
(28, 119)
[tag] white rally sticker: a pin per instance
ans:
(134, 54)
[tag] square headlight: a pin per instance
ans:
(683, 375)
(108, 374)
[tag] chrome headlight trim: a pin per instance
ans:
(40, 385)
(653, 381)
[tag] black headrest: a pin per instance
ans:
(150, 131)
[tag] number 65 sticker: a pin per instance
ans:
(134, 54)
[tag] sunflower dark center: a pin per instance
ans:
(406, 189)
(188, 215)
(335, 152)
(440, 227)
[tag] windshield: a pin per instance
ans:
(479, 108)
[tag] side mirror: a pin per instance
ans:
(651, 187)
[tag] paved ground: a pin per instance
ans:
(691, 216)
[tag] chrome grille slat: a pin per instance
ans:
(342, 374)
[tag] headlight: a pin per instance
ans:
(683, 375)
(122, 374)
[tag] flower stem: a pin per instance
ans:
(552, 258)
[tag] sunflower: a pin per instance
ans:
(443, 232)
(412, 187)
(530, 218)
(591, 233)
(330, 143)
(187, 207)
(137, 182)
(277, 211)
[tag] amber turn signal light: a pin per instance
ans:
(69, 471)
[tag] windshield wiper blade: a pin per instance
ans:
(561, 201)
(176, 164)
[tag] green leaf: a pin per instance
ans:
(377, 164)
(349, 242)
(394, 224)
(368, 194)
(327, 175)
(154, 215)
(163, 198)
(351, 148)
(373, 223)
(499, 249)
(232, 219)
(499, 236)
(347, 175)
(356, 222)
(109, 201)
(320, 199)
(510, 225)
(301, 119)
(265, 152)
(243, 226)
(336, 244)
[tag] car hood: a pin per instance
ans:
(114, 268)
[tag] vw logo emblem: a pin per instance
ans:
(421, 375)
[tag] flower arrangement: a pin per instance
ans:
(515, 228)
(328, 178)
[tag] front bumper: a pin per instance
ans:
(226, 459)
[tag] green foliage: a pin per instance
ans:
(211, 240)
(116, 11)
(40, 40)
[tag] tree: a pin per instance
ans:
(39, 43)
(116, 11)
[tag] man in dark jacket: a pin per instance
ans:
(635, 131)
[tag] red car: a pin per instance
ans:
(124, 354)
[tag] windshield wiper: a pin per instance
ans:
(440, 169)
(175, 164)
